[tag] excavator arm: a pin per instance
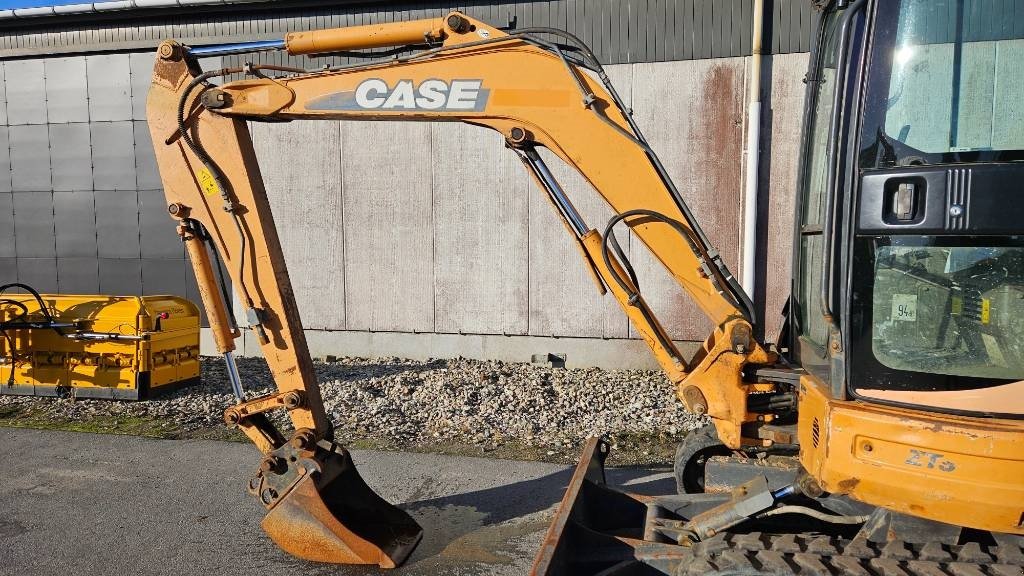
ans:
(539, 88)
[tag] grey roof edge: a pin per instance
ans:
(111, 6)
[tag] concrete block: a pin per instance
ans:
(113, 155)
(67, 97)
(30, 158)
(110, 93)
(481, 224)
(1008, 132)
(386, 179)
(26, 97)
(924, 110)
(301, 166)
(70, 156)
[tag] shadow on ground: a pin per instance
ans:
(480, 525)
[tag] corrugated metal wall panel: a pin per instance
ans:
(619, 31)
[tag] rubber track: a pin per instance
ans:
(758, 554)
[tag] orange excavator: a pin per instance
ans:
(881, 435)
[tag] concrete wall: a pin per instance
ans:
(429, 239)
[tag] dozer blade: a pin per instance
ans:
(600, 531)
(327, 513)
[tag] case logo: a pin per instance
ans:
(438, 95)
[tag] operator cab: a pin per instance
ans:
(909, 259)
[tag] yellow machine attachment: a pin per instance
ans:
(116, 347)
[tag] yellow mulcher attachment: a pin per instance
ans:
(115, 347)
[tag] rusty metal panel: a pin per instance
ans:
(700, 141)
(564, 300)
(301, 166)
(781, 154)
(386, 184)
(481, 224)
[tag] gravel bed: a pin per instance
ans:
(402, 403)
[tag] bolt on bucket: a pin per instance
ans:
(320, 509)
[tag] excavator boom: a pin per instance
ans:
(539, 89)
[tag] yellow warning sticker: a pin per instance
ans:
(986, 310)
(958, 305)
(207, 183)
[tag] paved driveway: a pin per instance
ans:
(84, 504)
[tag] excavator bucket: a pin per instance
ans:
(331, 515)
(601, 531)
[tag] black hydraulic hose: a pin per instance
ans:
(609, 244)
(679, 227)
(24, 311)
(39, 299)
(215, 171)
(10, 339)
(13, 302)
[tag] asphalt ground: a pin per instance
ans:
(78, 504)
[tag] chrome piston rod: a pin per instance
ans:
(236, 48)
(236, 380)
(536, 164)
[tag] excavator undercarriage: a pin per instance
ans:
(755, 520)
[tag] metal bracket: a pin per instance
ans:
(290, 400)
